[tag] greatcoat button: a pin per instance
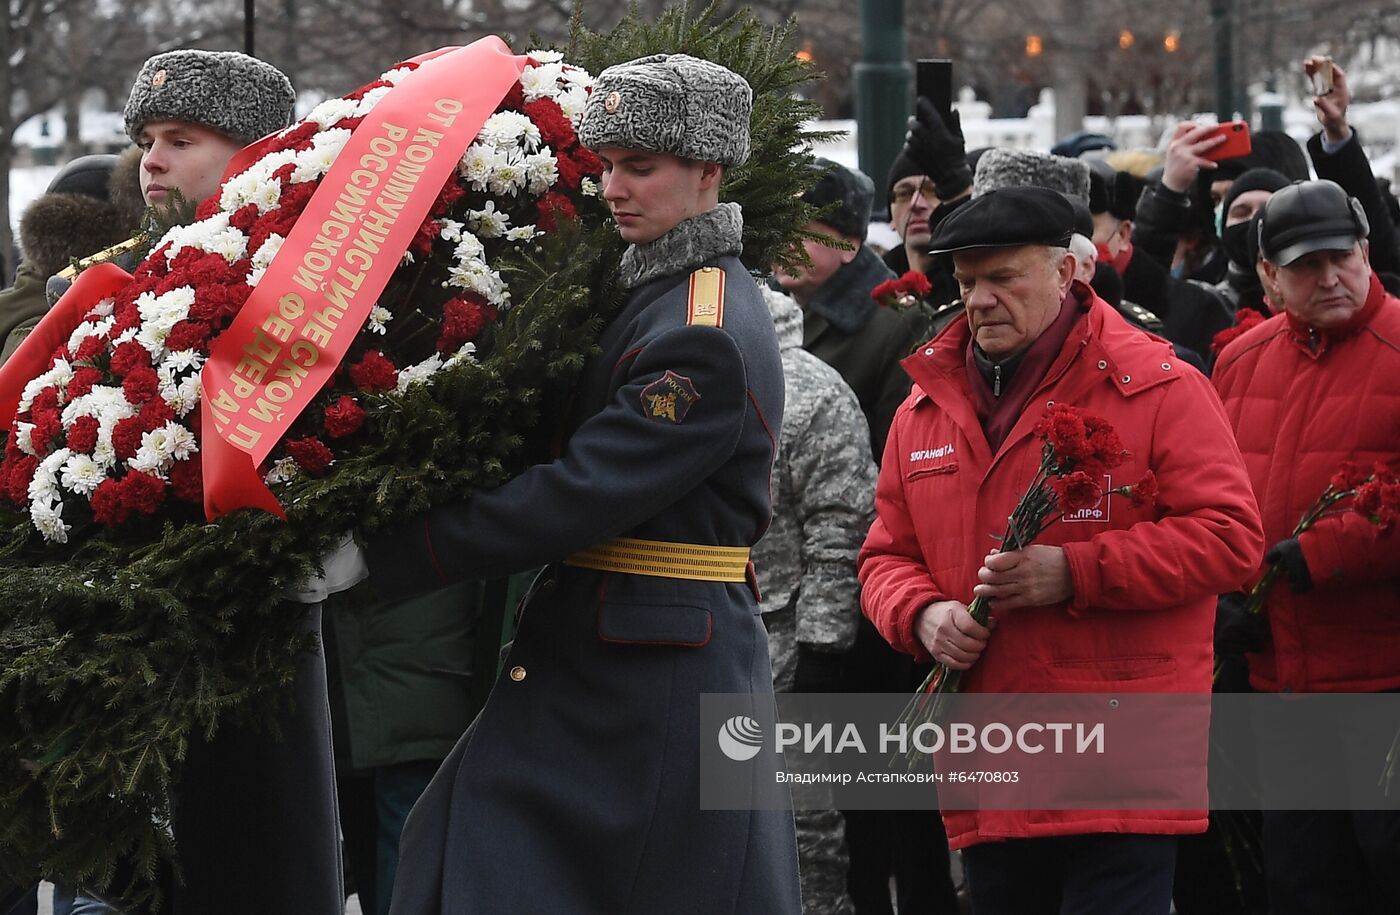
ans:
(517, 673)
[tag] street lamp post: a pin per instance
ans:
(882, 81)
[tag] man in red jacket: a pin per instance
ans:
(1306, 390)
(1121, 602)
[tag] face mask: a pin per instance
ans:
(1234, 239)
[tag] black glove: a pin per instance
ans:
(819, 671)
(1288, 556)
(939, 150)
(1237, 631)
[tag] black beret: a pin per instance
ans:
(1005, 218)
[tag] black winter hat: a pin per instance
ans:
(1310, 216)
(1256, 179)
(87, 175)
(848, 191)
(1116, 194)
(1005, 218)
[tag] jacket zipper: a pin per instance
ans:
(996, 381)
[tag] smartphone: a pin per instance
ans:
(1322, 77)
(934, 81)
(1236, 143)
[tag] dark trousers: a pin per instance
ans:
(1100, 874)
(373, 806)
(255, 813)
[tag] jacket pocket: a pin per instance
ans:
(680, 625)
(920, 473)
(1136, 673)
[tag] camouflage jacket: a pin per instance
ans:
(823, 503)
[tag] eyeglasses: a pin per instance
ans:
(903, 193)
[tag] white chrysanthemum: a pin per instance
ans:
(44, 486)
(182, 396)
(124, 336)
(469, 247)
(24, 438)
(588, 187)
(88, 329)
(450, 229)
(238, 191)
(572, 102)
(508, 176)
(541, 82)
(103, 308)
(282, 470)
(174, 365)
(477, 277)
(395, 75)
(332, 111)
(81, 474)
(266, 196)
(198, 235)
(160, 314)
(489, 222)
(541, 170)
(262, 258)
(379, 318)
(417, 374)
(162, 447)
(313, 163)
(542, 56)
(107, 404)
(372, 97)
(59, 375)
(477, 164)
(104, 452)
(522, 233)
(511, 129)
(48, 521)
(467, 353)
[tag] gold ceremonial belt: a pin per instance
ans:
(662, 559)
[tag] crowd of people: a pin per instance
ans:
(897, 439)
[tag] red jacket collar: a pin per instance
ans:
(1316, 339)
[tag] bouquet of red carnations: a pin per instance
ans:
(1077, 451)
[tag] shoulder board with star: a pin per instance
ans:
(705, 299)
(70, 272)
(1135, 312)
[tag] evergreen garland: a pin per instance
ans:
(116, 651)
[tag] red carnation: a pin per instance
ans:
(155, 413)
(1076, 491)
(126, 436)
(128, 356)
(1349, 476)
(587, 161)
(1144, 492)
(188, 335)
(84, 377)
(107, 507)
(311, 454)
(554, 207)
(463, 320)
(244, 217)
(208, 208)
(569, 173)
(451, 192)
(1106, 449)
(47, 426)
(515, 99)
(886, 293)
(141, 384)
(1245, 319)
(299, 134)
(423, 239)
(142, 492)
(348, 123)
(90, 347)
(20, 472)
(1063, 429)
(916, 284)
(187, 480)
(344, 417)
(45, 400)
(555, 129)
(82, 435)
(374, 373)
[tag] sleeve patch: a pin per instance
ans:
(669, 398)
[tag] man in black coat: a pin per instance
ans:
(577, 788)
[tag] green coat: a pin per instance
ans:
(21, 307)
(401, 674)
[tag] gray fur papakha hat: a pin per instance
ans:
(849, 192)
(1000, 167)
(670, 103)
(237, 95)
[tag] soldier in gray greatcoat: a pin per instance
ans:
(823, 503)
(577, 788)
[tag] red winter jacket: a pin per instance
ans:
(1298, 414)
(1145, 580)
